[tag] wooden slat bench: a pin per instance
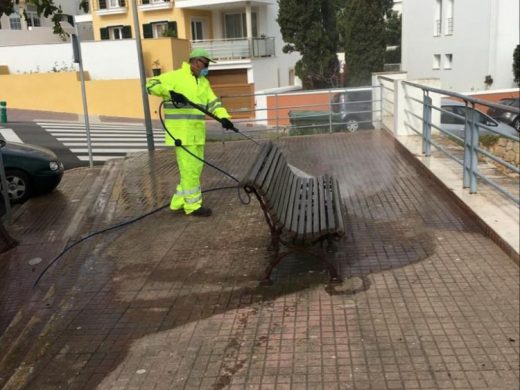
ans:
(300, 211)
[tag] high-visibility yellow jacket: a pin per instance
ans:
(186, 123)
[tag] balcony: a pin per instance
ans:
(155, 5)
(232, 49)
(219, 4)
(110, 7)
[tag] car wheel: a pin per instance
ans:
(516, 124)
(351, 124)
(18, 185)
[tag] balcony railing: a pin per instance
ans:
(154, 5)
(109, 7)
(449, 27)
(437, 28)
(233, 49)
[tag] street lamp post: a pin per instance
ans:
(142, 77)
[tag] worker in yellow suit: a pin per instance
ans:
(187, 124)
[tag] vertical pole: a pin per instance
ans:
(277, 114)
(381, 112)
(330, 111)
(76, 47)
(473, 150)
(470, 154)
(249, 29)
(142, 77)
(3, 180)
(427, 125)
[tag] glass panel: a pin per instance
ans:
(233, 26)
(196, 30)
(159, 29)
(15, 23)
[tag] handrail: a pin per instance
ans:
(463, 97)
(470, 140)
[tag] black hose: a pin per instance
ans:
(69, 247)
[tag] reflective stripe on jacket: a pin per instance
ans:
(186, 123)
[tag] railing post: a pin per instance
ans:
(277, 114)
(471, 137)
(330, 111)
(427, 125)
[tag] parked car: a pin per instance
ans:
(350, 110)
(508, 117)
(455, 124)
(30, 170)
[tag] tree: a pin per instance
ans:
(309, 27)
(393, 38)
(47, 8)
(363, 27)
(516, 65)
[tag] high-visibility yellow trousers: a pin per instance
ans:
(188, 195)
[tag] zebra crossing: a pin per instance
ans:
(108, 140)
(9, 135)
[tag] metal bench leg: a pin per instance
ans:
(334, 276)
(277, 258)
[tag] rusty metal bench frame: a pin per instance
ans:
(300, 211)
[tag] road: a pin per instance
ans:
(69, 139)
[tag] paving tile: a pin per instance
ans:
(174, 302)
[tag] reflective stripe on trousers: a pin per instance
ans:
(188, 194)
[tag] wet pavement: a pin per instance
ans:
(173, 302)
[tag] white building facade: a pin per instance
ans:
(467, 44)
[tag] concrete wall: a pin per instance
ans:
(484, 37)
(104, 60)
(35, 36)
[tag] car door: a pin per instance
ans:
(453, 120)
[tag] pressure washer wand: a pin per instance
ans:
(202, 109)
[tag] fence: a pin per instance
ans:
(457, 129)
(303, 112)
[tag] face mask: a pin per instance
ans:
(204, 72)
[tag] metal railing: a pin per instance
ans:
(237, 48)
(387, 101)
(308, 112)
(469, 141)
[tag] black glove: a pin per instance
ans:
(178, 98)
(227, 124)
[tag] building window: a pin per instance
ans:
(104, 4)
(160, 29)
(448, 17)
(198, 28)
(437, 26)
(448, 59)
(436, 61)
(235, 25)
(115, 32)
(15, 22)
(115, 3)
(32, 16)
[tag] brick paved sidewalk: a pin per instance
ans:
(173, 302)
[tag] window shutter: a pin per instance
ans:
(127, 32)
(172, 26)
(147, 31)
(102, 4)
(104, 33)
